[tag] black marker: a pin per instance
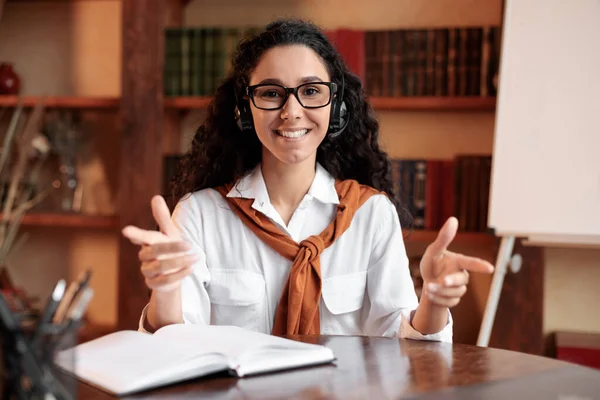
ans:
(46, 318)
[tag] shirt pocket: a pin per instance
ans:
(237, 298)
(344, 293)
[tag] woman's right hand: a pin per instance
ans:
(164, 255)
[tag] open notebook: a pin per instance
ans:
(125, 362)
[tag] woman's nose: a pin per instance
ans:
(292, 109)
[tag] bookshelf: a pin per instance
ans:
(62, 102)
(433, 103)
(426, 103)
(480, 239)
(187, 102)
(66, 220)
(58, 220)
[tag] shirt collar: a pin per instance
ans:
(323, 187)
(252, 186)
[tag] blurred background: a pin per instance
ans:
(128, 82)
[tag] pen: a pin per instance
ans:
(80, 305)
(74, 288)
(75, 314)
(49, 310)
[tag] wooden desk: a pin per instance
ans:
(384, 368)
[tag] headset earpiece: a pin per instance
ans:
(338, 119)
(243, 115)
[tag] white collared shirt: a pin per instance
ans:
(238, 280)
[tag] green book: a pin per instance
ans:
(172, 64)
(207, 61)
(185, 41)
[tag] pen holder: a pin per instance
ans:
(31, 356)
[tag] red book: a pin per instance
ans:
(332, 36)
(433, 194)
(447, 191)
(351, 46)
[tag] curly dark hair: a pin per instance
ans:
(220, 153)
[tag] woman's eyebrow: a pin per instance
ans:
(311, 79)
(279, 82)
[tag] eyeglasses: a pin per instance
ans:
(268, 96)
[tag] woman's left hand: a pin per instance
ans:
(445, 273)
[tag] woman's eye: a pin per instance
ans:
(311, 91)
(270, 93)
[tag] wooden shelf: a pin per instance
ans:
(434, 103)
(63, 102)
(70, 220)
(378, 103)
(43, 1)
(187, 102)
(462, 238)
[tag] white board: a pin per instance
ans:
(546, 159)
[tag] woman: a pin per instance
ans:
(288, 222)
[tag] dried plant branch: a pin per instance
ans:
(21, 120)
(10, 134)
(43, 150)
(17, 218)
(36, 200)
(23, 146)
(19, 243)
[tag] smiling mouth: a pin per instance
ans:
(292, 134)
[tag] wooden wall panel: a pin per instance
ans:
(519, 318)
(141, 136)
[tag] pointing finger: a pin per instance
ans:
(161, 214)
(473, 264)
(142, 236)
(445, 237)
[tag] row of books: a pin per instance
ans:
(432, 62)
(431, 190)
(434, 190)
(407, 62)
(197, 59)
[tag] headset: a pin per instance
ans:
(338, 118)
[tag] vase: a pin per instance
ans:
(10, 82)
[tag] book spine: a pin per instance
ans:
(185, 43)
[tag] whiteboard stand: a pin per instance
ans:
(504, 260)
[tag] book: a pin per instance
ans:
(127, 362)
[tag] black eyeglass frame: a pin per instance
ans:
(332, 91)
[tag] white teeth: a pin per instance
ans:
(293, 134)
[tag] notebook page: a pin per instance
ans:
(274, 359)
(127, 360)
(229, 340)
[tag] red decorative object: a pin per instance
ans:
(579, 347)
(10, 82)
